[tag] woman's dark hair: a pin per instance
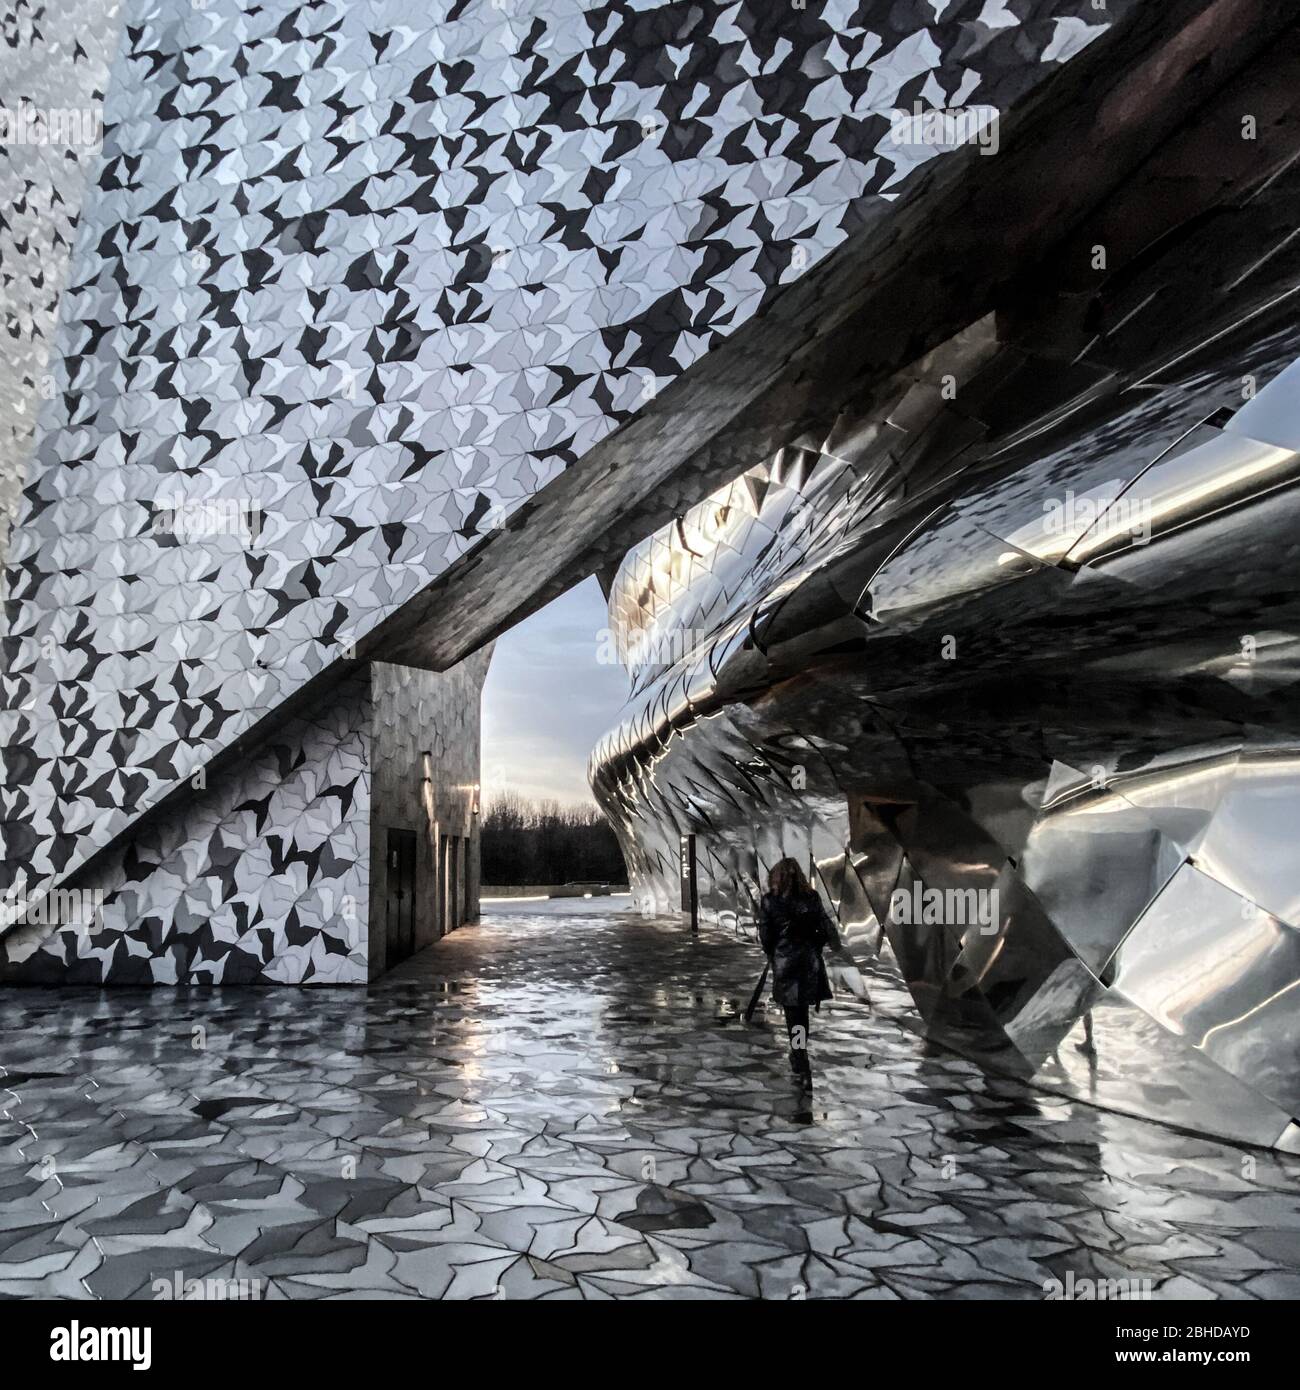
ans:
(787, 880)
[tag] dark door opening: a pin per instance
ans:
(400, 918)
(453, 881)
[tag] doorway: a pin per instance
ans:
(452, 878)
(400, 915)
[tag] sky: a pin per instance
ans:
(548, 699)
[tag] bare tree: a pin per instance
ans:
(545, 842)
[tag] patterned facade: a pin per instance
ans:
(276, 871)
(54, 61)
(353, 284)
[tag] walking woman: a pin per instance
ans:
(793, 928)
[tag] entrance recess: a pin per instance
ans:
(400, 914)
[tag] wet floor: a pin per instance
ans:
(563, 1103)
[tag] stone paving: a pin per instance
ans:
(563, 1103)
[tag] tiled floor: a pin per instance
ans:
(565, 1105)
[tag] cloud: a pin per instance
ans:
(547, 699)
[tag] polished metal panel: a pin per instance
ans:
(1215, 970)
(1041, 673)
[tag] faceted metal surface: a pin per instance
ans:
(567, 1107)
(1021, 628)
(54, 57)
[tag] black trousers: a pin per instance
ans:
(796, 1022)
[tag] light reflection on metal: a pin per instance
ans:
(1064, 673)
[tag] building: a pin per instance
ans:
(1004, 645)
(382, 325)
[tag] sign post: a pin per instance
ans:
(690, 894)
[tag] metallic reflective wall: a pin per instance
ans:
(1009, 650)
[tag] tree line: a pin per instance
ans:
(535, 843)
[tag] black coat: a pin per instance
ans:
(793, 931)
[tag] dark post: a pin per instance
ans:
(690, 896)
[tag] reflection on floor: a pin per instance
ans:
(562, 1103)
